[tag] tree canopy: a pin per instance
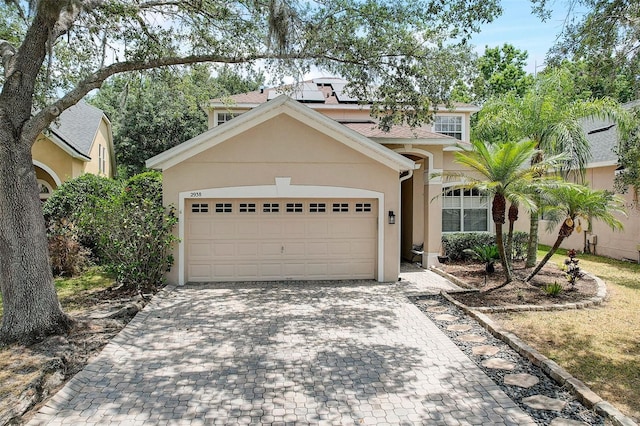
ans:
(604, 41)
(501, 70)
(152, 111)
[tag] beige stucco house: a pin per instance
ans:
(304, 186)
(600, 174)
(79, 142)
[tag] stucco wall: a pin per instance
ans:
(54, 157)
(616, 244)
(101, 141)
(285, 147)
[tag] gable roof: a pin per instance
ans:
(75, 129)
(280, 105)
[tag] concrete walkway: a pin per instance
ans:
(295, 353)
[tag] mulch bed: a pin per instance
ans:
(517, 292)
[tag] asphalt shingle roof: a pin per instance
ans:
(77, 126)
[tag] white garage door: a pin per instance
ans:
(287, 239)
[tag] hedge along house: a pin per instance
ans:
(79, 141)
(304, 186)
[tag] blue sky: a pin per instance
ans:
(518, 27)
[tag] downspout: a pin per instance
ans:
(409, 175)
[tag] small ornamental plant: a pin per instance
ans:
(553, 290)
(572, 269)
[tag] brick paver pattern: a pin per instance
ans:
(298, 353)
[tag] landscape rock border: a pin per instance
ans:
(582, 392)
(601, 294)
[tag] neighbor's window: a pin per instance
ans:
(223, 117)
(450, 125)
(464, 210)
(100, 159)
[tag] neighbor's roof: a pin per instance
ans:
(316, 93)
(77, 127)
(602, 135)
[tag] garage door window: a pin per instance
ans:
(270, 207)
(363, 207)
(247, 208)
(200, 208)
(317, 207)
(294, 207)
(224, 208)
(340, 207)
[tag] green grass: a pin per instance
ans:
(600, 345)
(72, 291)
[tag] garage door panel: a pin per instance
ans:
(294, 270)
(200, 250)
(300, 239)
(224, 248)
(317, 248)
(339, 247)
(250, 249)
(247, 228)
(270, 248)
(199, 273)
(271, 270)
(200, 228)
(270, 227)
(247, 271)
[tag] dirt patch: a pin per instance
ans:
(31, 374)
(518, 292)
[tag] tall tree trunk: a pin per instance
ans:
(532, 245)
(31, 307)
(565, 231)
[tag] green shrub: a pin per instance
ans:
(136, 232)
(456, 243)
(519, 245)
(76, 200)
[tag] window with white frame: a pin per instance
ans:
(464, 210)
(223, 117)
(450, 125)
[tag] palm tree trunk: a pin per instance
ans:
(565, 231)
(532, 245)
(513, 216)
(498, 210)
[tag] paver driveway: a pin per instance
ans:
(307, 353)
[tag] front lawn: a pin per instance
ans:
(600, 345)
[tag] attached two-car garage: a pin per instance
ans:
(280, 239)
(283, 192)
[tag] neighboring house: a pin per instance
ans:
(79, 142)
(600, 174)
(304, 186)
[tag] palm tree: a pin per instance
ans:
(574, 202)
(549, 114)
(501, 171)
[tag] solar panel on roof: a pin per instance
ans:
(299, 95)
